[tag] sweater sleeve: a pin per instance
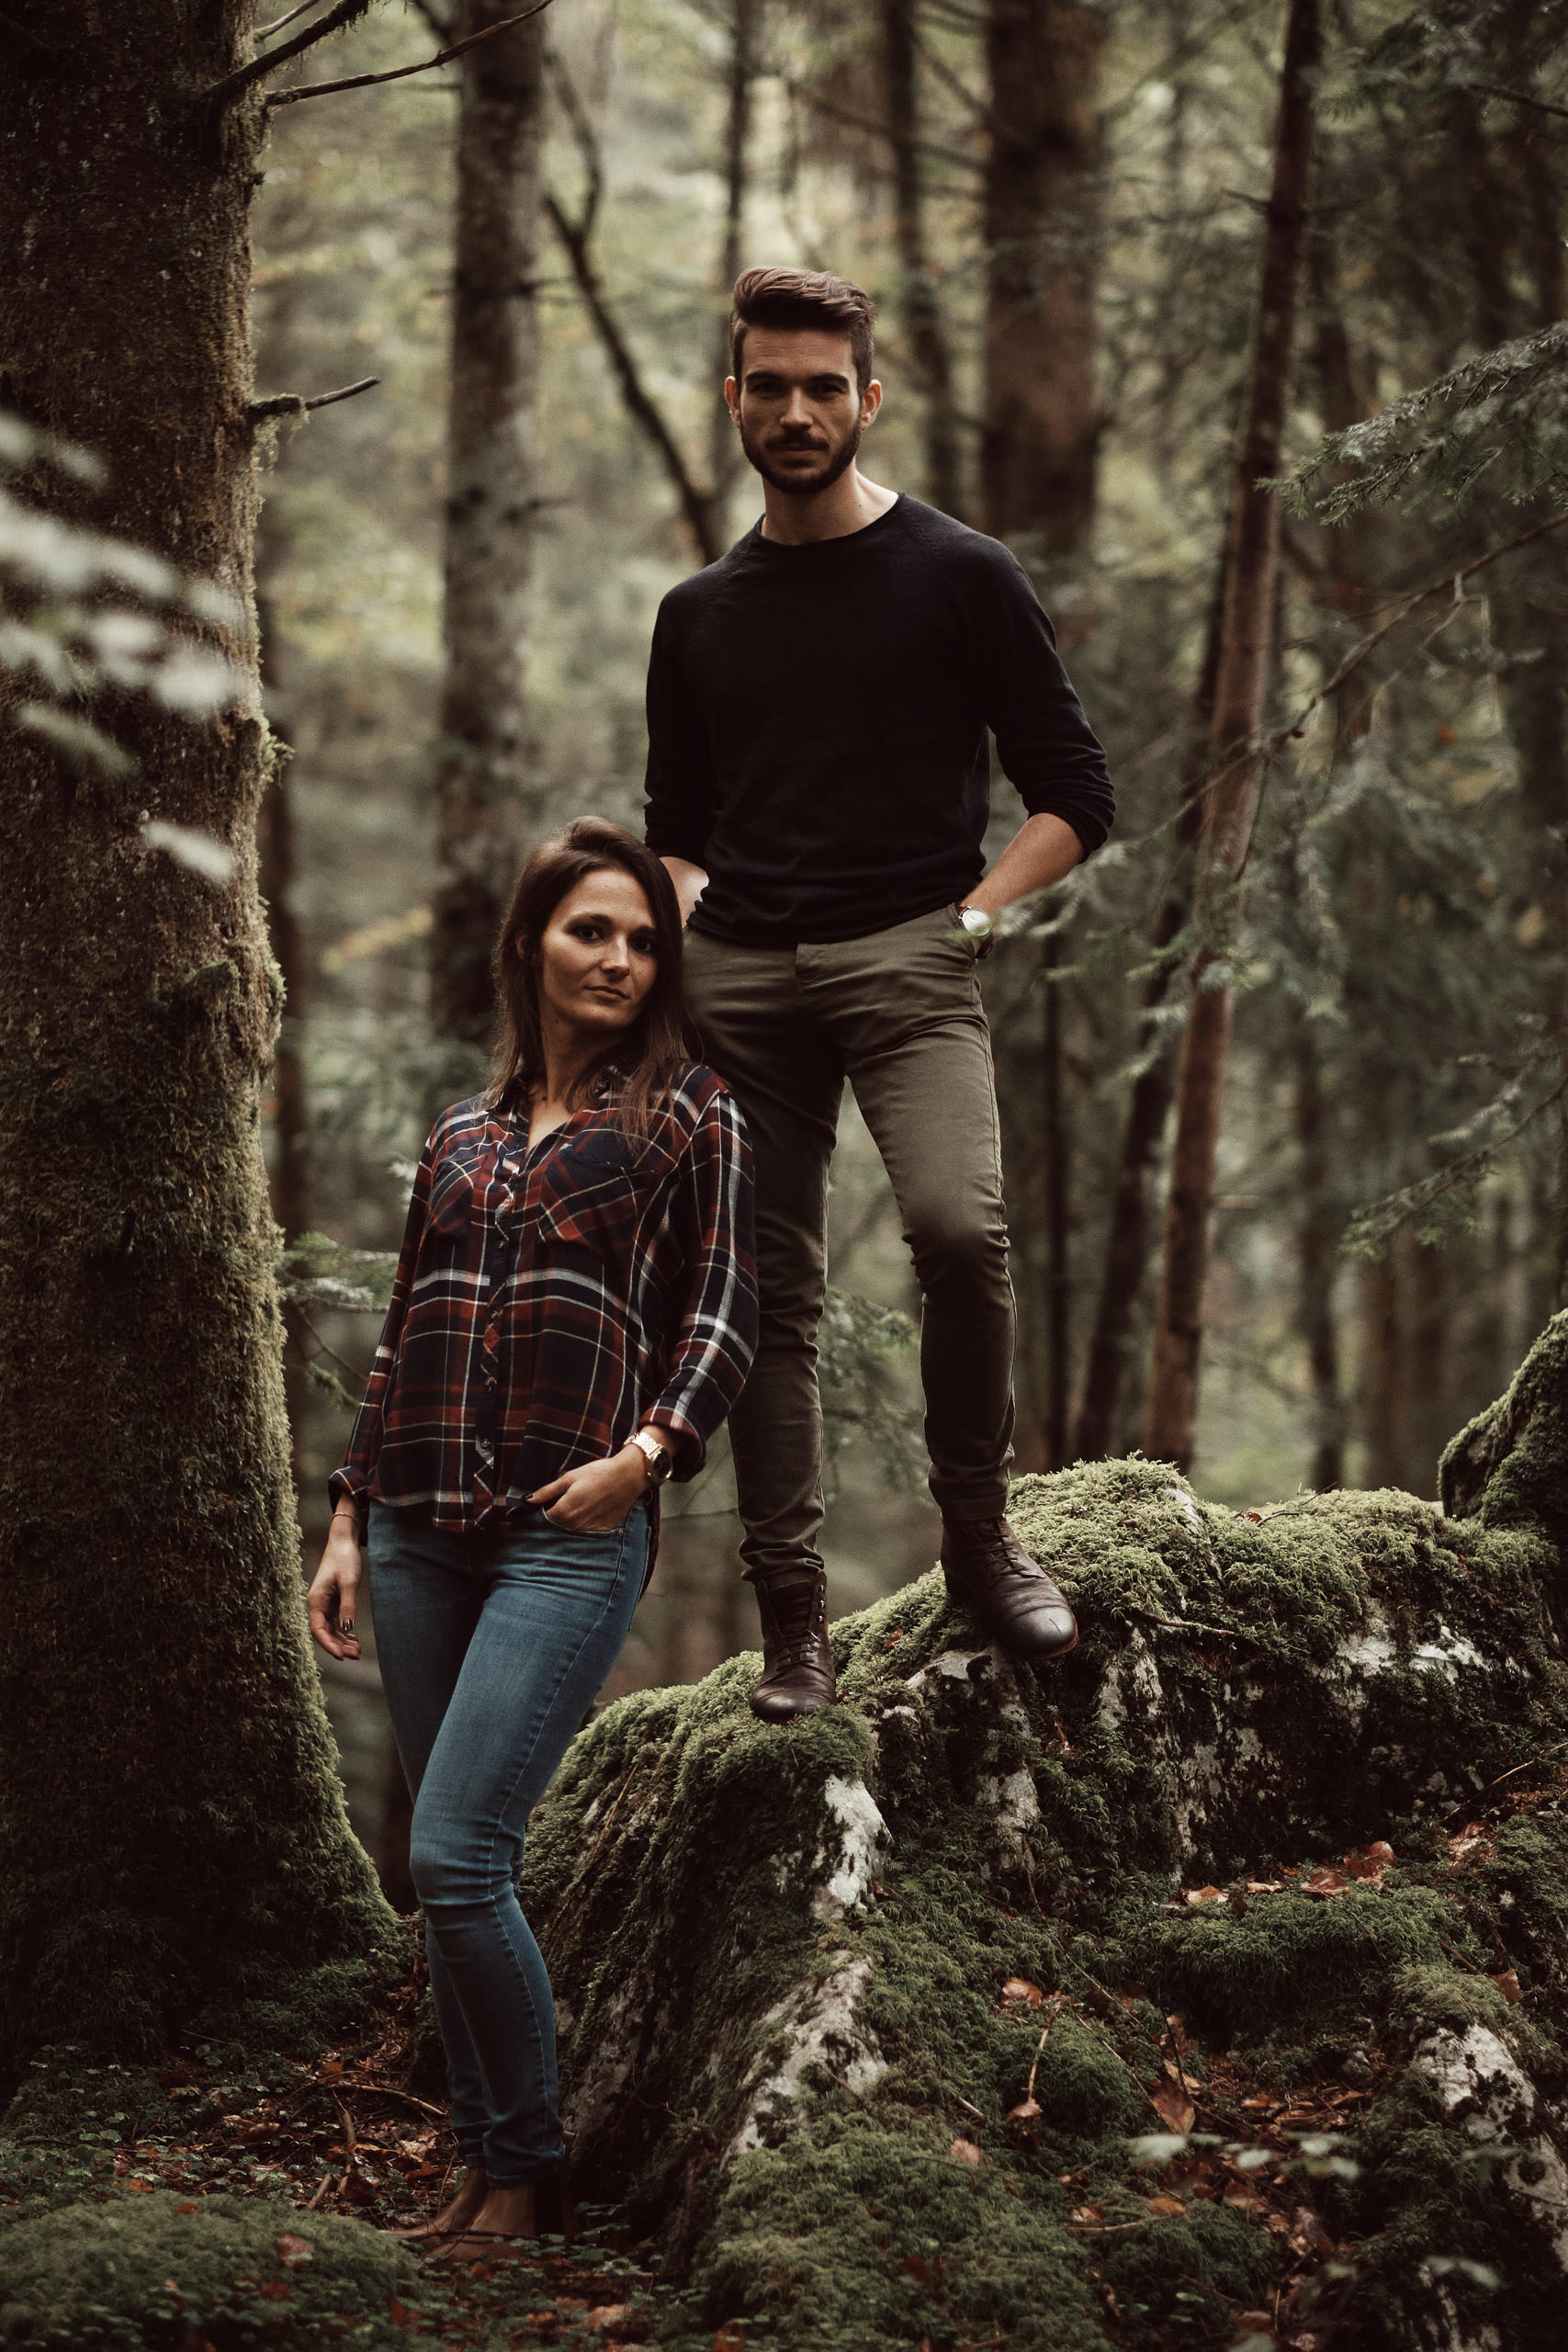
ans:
(1044, 743)
(716, 1335)
(352, 1481)
(681, 785)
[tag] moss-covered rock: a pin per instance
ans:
(782, 1954)
(128, 2270)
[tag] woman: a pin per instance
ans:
(573, 1315)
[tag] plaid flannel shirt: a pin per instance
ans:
(550, 1301)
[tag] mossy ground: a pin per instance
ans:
(810, 1979)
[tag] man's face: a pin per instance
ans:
(800, 415)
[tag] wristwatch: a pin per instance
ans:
(660, 1459)
(980, 928)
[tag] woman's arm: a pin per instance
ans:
(334, 1588)
(715, 1336)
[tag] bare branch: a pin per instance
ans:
(835, 113)
(291, 403)
(401, 72)
(233, 86)
(587, 142)
(33, 41)
(266, 32)
(445, 28)
(697, 504)
(1522, 99)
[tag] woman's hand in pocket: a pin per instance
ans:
(334, 1590)
(597, 1495)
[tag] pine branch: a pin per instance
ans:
(401, 72)
(1522, 99)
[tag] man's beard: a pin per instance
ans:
(807, 485)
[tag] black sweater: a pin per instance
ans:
(816, 722)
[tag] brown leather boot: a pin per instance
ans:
(797, 1665)
(1014, 1598)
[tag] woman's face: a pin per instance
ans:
(598, 958)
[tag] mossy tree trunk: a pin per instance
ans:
(782, 1958)
(173, 1843)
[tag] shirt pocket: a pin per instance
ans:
(457, 1181)
(587, 1198)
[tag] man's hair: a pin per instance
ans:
(803, 298)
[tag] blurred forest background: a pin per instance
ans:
(1059, 208)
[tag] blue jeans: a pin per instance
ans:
(492, 1648)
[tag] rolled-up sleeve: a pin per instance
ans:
(1046, 746)
(715, 1335)
(352, 1480)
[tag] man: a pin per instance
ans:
(817, 787)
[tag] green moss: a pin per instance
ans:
(773, 2075)
(158, 2270)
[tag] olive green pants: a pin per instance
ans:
(899, 1015)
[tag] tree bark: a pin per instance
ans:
(1042, 201)
(1059, 1212)
(1142, 1136)
(724, 443)
(482, 760)
(1231, 792)
(925, 329)
(1317, 1243)
(148, 1549)
(290, 1184)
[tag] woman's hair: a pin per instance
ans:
(648, 1054)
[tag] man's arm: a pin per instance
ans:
(691, 881)
(1043, 850)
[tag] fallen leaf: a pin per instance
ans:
(1508, 1983)
(1369, 1862)
(610, 2315)
(966, 2151)
(732, 2338)
(332, 2070)
(916, 2266)
(400, 2315)
(141, 2187)
(1165, 2205)
(1473, 1833)
(1202, 1894)
(1021, 2124)
(1025, 2111)
(293, 2251)
(189, 2206)
(1081, 2213)
(1019, 1988)
(1131, 1993)
(1326, 1881)
(273, 2291)
(1265, 1885)
(1173, 2106)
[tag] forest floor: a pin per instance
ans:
(346, 2136)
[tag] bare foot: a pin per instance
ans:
(505, 2213)
(465, 2208)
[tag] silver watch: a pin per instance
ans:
(660, 1461)
(980, 928)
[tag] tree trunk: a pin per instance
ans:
(147, 1538)
(900, 1968)
(925, 330)
(1043, 204)
(482, 760)
(1317, 1246)
(1231, 793)
(725, 460)
(1055, 1147)
(1127, 1243)
(290, 1184)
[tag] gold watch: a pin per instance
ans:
(657, 1454)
